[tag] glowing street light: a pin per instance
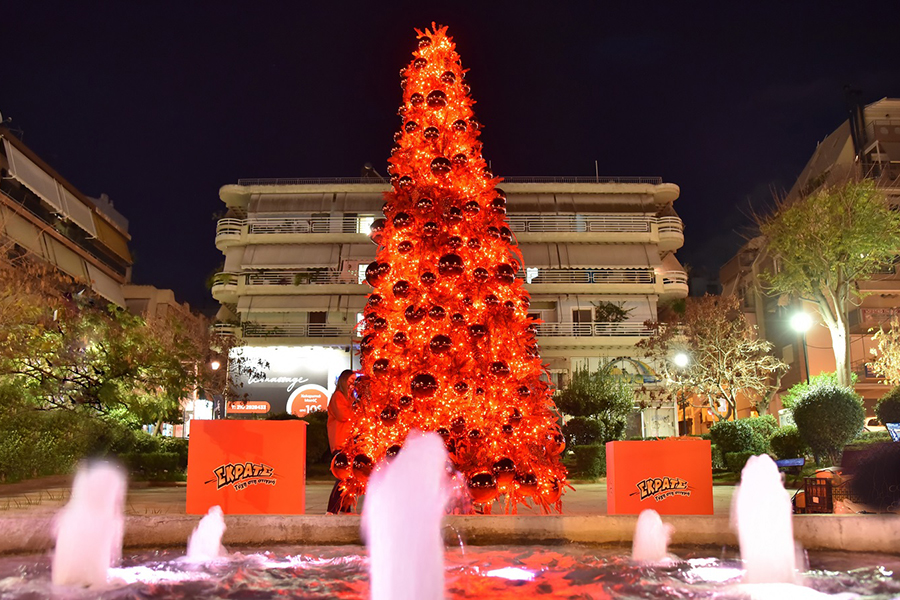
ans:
(681, 360)
(801, 322)
(214, 365)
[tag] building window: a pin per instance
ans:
(364, 224)
(581, 315)
(318, 317)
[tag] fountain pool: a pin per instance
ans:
(570, 571)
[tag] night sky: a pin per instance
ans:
(158, 104)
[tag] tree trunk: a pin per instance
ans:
(840, 343)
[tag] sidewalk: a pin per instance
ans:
(44, 497)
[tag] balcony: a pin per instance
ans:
(671, 233)
(225, 287)
(667, 231)
(675, 283)
(228, 330)
(228, 232)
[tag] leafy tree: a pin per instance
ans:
(823, 243)
(828, 417)
(66, 349)
(599, 402)
(727, 359)
(887, 354)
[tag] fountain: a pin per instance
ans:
(761, 512)
(402, 522)
(89, 528)
(651, 539)
(206, 540)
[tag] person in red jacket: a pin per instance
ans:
(340, 411)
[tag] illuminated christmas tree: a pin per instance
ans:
(447, 342)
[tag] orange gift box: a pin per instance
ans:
(673, 477)
(247, 467)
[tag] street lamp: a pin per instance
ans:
(214, 365)
(801, 322)
(681, 360)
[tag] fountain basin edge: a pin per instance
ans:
(855, 533)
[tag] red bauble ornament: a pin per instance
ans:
(389, 414)
(451, 265)
(499, 368)
(457, 425)
(504, 471)
(440, 344)
(477, 331)
(380, 366)
(424, 385)
(340, 466)
(440, 166)
(400, 338)
(416, 99)
(402, 220)
(405, 401)
(428, 278)
(414, 314)
(480, 274)
(505, 273)
(437, 313)
(448, 77)
(527, 483)
(483, 488)
(401, 289)
(436, 99)
(404, 247)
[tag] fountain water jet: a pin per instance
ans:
(651, 538)
(402, 522)
(206, 540)
(761, 511)
(89, 528)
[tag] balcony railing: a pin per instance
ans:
(519, 223)
(592, 329)
(225, 279)
(301, 277)
(537, 223)
(360, 180)
(276, 225)
(591, 276)
(229, 227)
(675, 278)
(303, 330)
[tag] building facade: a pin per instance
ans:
(295, 254)
(43, 214)
(865, 145)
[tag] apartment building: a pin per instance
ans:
(42, 213)
(867, 144)
(295, 251)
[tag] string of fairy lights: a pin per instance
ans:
(447, 342)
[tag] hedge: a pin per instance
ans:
(739, 436)
(828, 417)
(735, 461)
(590, 461)
(786, 442)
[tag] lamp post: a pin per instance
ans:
(801, 322)
(681, 360)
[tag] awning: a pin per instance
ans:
(22, 232)
(66, 259)
(670, 263)
(358, 252)
(290, 203)
(79, 212)
(105, 285)
(301, 303)
(260, 256)
(32, 176)
(590, 256)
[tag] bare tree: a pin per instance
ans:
(726, 359)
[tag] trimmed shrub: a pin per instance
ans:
(582, 431)
(718, 458)
(737, 436)
(828, 417)
(735, 461)
(888, 408)
(786, 442)
(765, 425)
(590, 461)
(317, 450)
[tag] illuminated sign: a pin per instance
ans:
(660, 488)
(243, 475)
(297, 380)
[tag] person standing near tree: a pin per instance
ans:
(340, 411)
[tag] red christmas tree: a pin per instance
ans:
(447, 343)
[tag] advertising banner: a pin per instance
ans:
(673, 477)
(285, 379)
(247, 467)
